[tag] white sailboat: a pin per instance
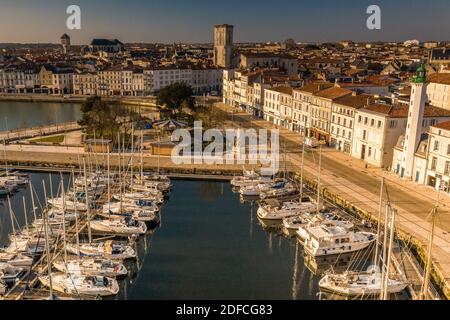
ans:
(359, 284)
(123, 227)
(91, 266)
(81, 285)
(108, 249)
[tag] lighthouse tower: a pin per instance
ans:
(415, 120)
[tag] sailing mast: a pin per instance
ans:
(64, 216)
(385, 279)
(76, 214)
(25, 215)
(12, 221)
(426, 280)
(32, 199)
(302, 167)
(88, 213)
(47, 246)
(380, 209)
(318, 180)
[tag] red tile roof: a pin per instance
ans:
(442, 78)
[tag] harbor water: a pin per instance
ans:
(15, 115)
(209, 246)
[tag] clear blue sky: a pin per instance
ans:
(254, 20)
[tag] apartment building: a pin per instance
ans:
(19, 80)
(378, 127)
(320, 112)
(56, 79)
(438, 90)
(343, 120)
(302, 100)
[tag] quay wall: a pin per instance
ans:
(418, 247)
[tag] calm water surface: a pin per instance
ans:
(15, 115)
(209, 246)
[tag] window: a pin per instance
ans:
(359, 119)
(372, 122)
(393, 124)
(447, 168)
(369, 153)
(379, 124)
(448, 149)
(436, 145)
(434, 163)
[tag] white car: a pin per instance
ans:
(311, 142)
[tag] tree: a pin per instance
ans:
(175, 97)
(102, 118)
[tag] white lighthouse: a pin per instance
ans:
(415, 120)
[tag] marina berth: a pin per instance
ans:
(323, 241)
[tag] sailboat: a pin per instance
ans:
(81, 285)
(91, 266)
(125, 226)
(274, 216)
(359, 284)
(108, 249)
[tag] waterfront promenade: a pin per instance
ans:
(360, 185)
(26, 133)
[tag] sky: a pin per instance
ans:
(192, 21)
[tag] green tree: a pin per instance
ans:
(104, 119)
(175, 97)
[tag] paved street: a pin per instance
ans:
(360, 185)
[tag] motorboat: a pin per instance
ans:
(325, 240)
(323, 219)
(81, 285)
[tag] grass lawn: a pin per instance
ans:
(52, 139)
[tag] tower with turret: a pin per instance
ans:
(415, 120)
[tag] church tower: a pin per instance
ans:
(65, 43)
(415, 120)
(223, 46)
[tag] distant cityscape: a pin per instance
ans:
(354, 96)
